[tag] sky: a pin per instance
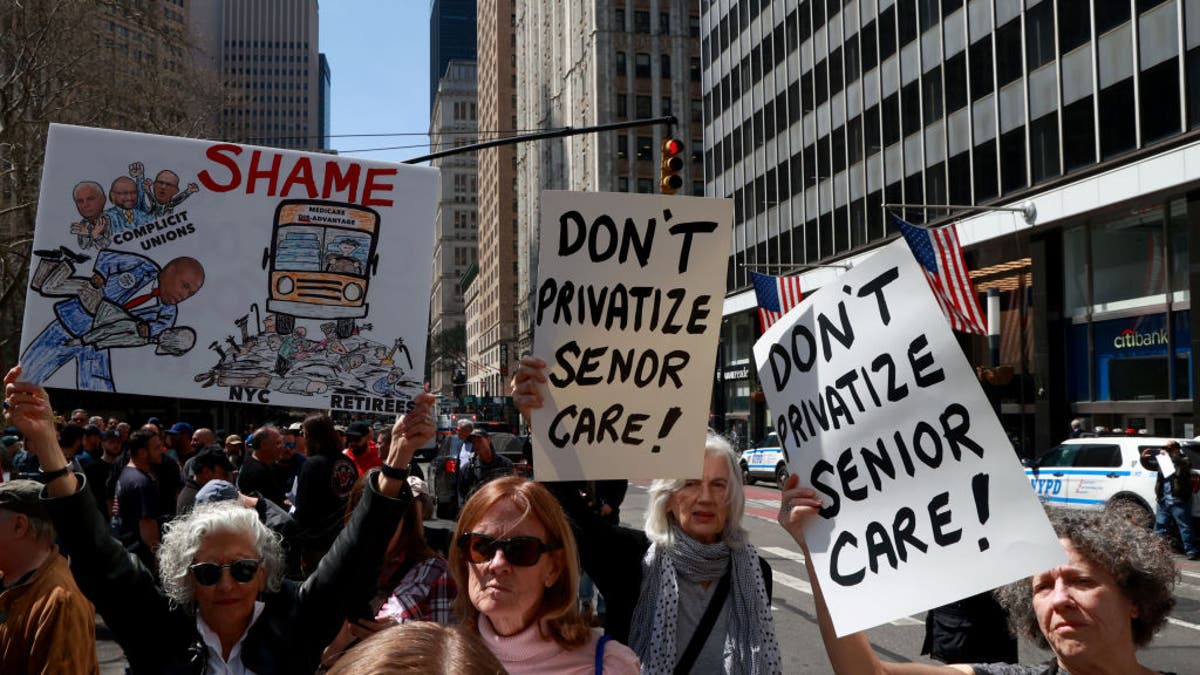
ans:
(378, 52)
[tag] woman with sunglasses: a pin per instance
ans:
(515, 556)
(223, 606)
(689, 592)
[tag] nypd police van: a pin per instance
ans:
(764, 461)
(1092, 473)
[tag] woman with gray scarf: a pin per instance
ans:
(689, 593)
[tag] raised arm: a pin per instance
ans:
(852, 654)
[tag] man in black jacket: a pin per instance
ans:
(485, 464)
(1174, 493)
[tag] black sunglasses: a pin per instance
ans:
(242, 571)
(520, 551)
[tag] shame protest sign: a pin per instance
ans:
(878, 410)
(207, 270)
(626, 314)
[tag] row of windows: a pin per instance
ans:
(641, 66)
(902, 141)
(644, 146)
(647, 186)
(276, 57)
(641, 23)
(275, 44)
(644, 107)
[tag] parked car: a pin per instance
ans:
(1096, 473)
(443, 470)
(764, 461)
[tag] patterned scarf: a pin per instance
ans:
(750, 645)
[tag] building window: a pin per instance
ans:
(622, 67)
(666, 106)
(664, 23)
(1043, 147)
(642, 109)
(1079, 134)
(641, 65)
(981, 69)
(622, 146)
(645, 148)
(694, 26)
(622, 183)
(644, 186)
(619, 20)
(694, 70)
(697, 107)
(622, 105)
(665, 66)
(641, 22)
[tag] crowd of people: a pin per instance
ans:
(297, 550)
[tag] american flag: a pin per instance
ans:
(1016, 332)
(776, 295)
(940, 254)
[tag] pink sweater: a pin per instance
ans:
(528, 653)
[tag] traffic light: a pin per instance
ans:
(672, 164)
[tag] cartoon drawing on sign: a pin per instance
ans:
(125, 213)
(127, 301)
(93, 230)
(160, 196)
(319, 265)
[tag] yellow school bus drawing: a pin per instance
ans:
(320, 262)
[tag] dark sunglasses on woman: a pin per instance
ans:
(242, 571)
(520, 551)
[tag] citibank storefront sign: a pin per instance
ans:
(1129, 339)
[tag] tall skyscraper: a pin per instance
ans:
(817, 114)
(454, 122)
(451, 37)
(268, 56)
(495, 349)
(614, 61)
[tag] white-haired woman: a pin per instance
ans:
(222, 606)
(689, 593)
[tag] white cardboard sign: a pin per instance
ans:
(626, 314)
(877, 408)
(208, 270)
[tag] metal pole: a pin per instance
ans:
(668, 120)
(1028, 210)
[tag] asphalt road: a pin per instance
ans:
(1176, 649)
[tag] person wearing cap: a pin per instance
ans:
(274, 517)
(207, 465)
(48, 625)
(100, 473)
(485, 465)
(360, 447)
(90, 445)
(297, 429)
(256, 475)
(179, 442)
(218, 565)
(234, 448)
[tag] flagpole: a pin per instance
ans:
(1028, 210)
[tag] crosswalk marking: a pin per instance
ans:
(786, 554)
(1182, 623)
(794, 583)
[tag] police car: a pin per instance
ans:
(1093, 473)
(764, 461)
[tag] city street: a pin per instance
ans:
(795, 621)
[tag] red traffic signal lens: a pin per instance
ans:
(671, 147)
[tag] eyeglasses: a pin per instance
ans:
(242, 571)
(520, 551)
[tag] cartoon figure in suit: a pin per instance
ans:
(128, 301)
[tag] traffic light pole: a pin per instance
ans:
(669, 120)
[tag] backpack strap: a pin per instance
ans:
(704, 628)
(600, 653)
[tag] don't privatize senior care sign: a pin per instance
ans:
(877, 408)
(199, 269)
(626, 314)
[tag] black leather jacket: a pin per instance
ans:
(299, 620)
